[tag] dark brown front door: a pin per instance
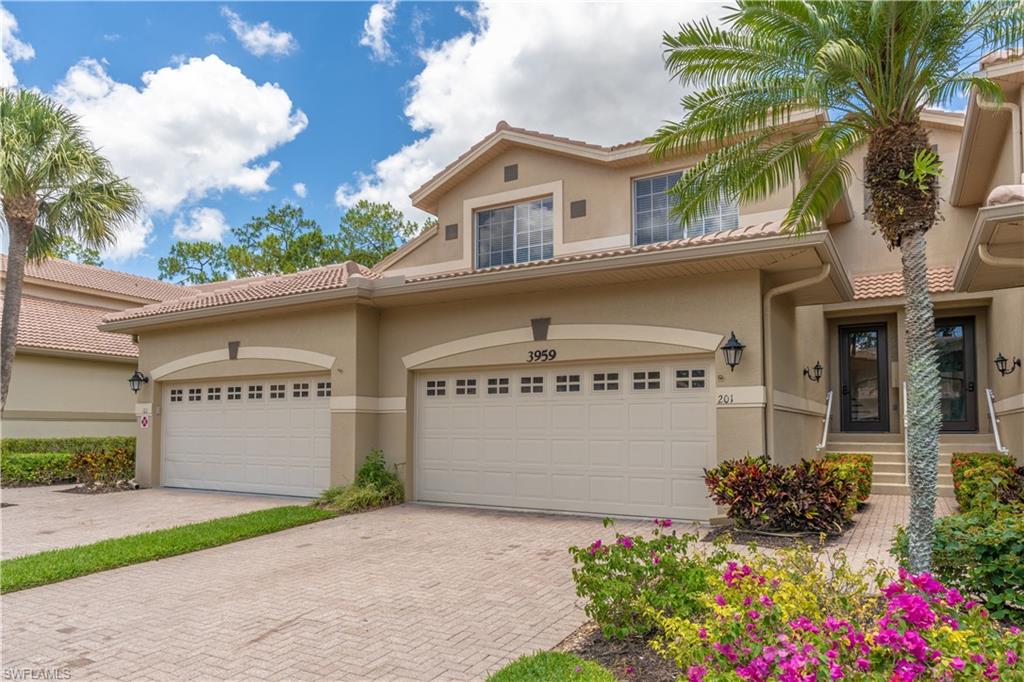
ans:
(864, 378)
(954, 338)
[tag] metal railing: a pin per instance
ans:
(990, 399)
(828, 417)
(906, 436)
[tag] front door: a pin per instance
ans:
(864, 377)
(954, 338)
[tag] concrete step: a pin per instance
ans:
(887, 477)
(901, 489)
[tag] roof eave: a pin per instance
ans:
(77, 355)
(984, 221)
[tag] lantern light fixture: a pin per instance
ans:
(733, 351)
(136, 380)
(814, 373)
(1002, 362)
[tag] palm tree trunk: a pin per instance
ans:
(923, 413)
(17, 250)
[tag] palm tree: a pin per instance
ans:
(53, 184)
(873, 66)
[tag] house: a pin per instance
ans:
(70, 378)
(558, 342)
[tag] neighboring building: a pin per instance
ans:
(70, 378)
(555, 342)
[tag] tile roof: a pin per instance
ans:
(735, 234)
(889, 284)
(99, 279)
(252, 289)
(60, 325)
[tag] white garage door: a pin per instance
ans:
(248, 435)
(629, 439)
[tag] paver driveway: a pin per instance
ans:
(411, 592)
(44, 518)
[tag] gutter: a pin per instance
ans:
(1018, 143)
(998, 261)
(769, 378)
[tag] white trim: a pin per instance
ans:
(307, 357)
(740, 396)
(794, 403)
(1015, 403)
(363, 403)
(687, 338)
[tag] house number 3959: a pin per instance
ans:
(545, 355)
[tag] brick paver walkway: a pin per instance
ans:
(44, 518)
(876, 525)
(408, 593)
(412, 592)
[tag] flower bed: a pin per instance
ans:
(856, 467)
(812, 496)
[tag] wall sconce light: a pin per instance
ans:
(814, 373)
(733, 351)
(1001, 363)
(136, 380)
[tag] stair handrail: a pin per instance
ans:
(906, 436)
(990, 398)
(828, 417)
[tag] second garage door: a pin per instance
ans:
(622, 438)
(248, 435)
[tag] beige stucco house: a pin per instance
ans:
(70, 378)
(556, 341)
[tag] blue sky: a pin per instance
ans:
(218, 110)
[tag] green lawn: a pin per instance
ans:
(63, 564)
(544, 666)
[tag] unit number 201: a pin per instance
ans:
(545, 355)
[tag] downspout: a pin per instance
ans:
(769, 379)
(1018, 142)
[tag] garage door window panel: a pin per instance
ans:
(323, 389)
(647, 380)
(213, 393)
(531, 384)
(497, 386)
(195, 395)
(690, 379)
(176, 395)
(300, 390)
(255, 392)
(234, 393)
(436, 388)
(567, 383)
(277, 391)
(465, 387)
(605, 382)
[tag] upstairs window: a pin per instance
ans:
(515, 234)
(652, 213)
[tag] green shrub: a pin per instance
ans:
(375, 486)
(548, 666)
(809, 496)
(961, 461)
(35, 468)
(858, 467)
(989, 483)
(105, 467)
(981, 553)
(73, 445)
(623, 581)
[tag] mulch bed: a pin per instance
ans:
(102, 488)
(629, 659)
(770, 540)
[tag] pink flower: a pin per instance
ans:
(863, 664)
(953, 597)
(1011, 657)
(753, 614)
(720, 600)
(626, 542)
(696, 673)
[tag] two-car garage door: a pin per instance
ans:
(248, 435)
(628, 439)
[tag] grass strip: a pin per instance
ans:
(545, 666)
(55, 565)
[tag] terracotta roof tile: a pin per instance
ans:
(59, 325)
(735, 234)
(99, 279)
(252, 289)
(889, 284)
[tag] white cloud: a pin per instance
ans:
(203, 224)
(12, 49)
(300, 189)
(189, 131)
(111, 37)
(376, 27)
(262, 38)
(592, 71)
(132, 239)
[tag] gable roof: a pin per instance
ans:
(218, 294)
(121, 284)
(47, 324)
